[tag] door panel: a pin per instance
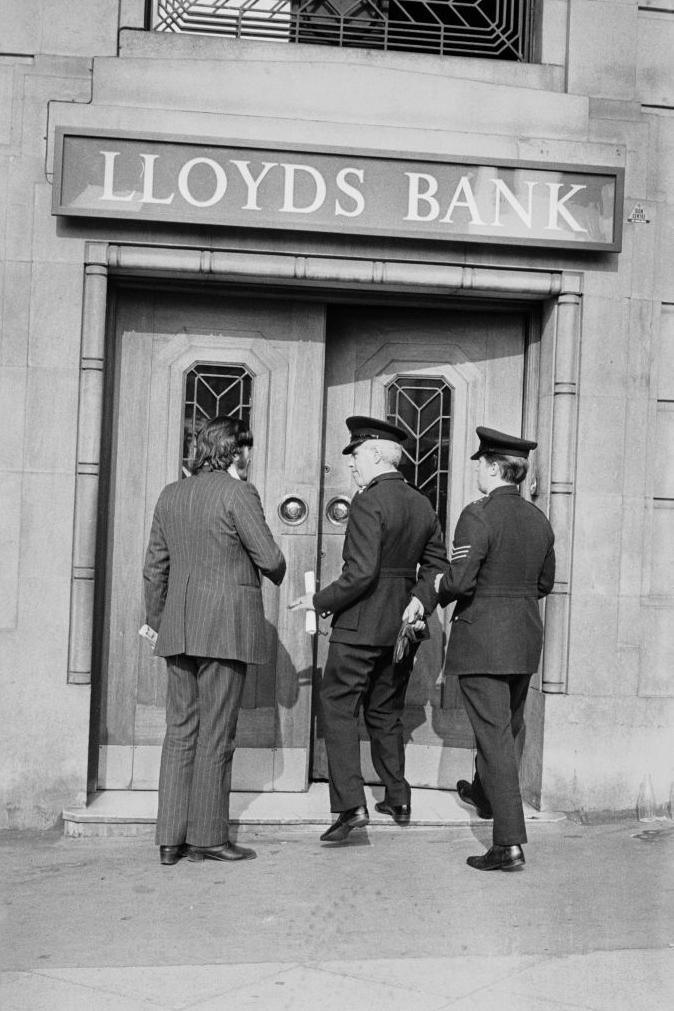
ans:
(480, 358)
(158, 341)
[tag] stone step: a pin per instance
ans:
(134, 812)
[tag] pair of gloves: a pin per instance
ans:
(408, 636)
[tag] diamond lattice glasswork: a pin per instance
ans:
(422, 406)
(492, 29)
(213, 391)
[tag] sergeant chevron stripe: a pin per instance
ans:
(460, 552)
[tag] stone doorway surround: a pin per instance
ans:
(552, 413)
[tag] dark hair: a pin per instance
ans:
(218, 443)
(512, 469)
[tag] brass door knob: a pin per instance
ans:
(293, 510)
(337, 510)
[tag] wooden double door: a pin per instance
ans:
(295, 369)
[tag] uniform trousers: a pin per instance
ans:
(202, 707)
(495, 708)
(355, 678)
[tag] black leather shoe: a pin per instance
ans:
(355, 817)
(465, 792)
(401, 813)
(226, 851)
(499, 858)
(170, 854)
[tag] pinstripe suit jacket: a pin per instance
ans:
(209, 543)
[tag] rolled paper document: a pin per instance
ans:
(310, 616)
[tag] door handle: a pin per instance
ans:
(337, 510)
(293, 510)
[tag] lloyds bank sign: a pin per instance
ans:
(236, 185)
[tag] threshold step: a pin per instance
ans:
(134, 812)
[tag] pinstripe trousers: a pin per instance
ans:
(202, 707)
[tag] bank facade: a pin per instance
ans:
(350, 212)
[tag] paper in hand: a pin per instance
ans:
(310, 616)
(148, 633)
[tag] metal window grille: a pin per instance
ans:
(213, 391)
(493, 29)
(422, 406)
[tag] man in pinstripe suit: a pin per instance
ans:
(208, 544)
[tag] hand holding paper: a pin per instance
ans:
(148, 633)
(306, 602)
(310, 616)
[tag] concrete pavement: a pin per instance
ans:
(392, 919)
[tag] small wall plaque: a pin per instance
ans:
(638, 216)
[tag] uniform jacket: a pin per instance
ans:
(391, 528)
(209, 543)
(502, 562)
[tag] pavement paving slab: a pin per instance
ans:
(392, 919)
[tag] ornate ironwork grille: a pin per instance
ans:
(493, 29)
(422, 406)
(213, 391)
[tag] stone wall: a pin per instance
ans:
(608, 100)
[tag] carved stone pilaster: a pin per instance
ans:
(88, 464)
(562, 480)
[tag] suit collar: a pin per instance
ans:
(390, 475)
(504, 489)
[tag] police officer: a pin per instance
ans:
(392, 529)
(502, 562)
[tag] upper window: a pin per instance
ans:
(213, 391)
(422, 406)
(492, 29)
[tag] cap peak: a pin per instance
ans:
(361, 428)
(501, 444)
